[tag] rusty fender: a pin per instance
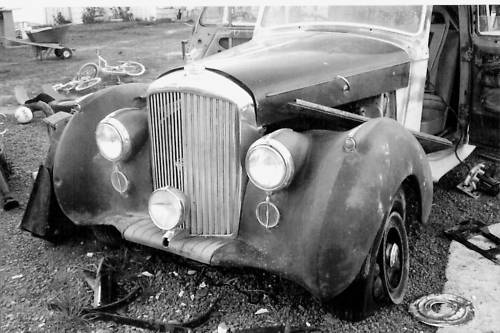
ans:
(333, 209)
(80, 176)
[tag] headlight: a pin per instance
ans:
(112, 139)
(268, 168)
(167, 207)
(122, 133)
(272, 161)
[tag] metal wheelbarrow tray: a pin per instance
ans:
(54, 34)
(46, 40)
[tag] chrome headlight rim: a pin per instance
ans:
(126, 143)
(181, 201)
(284, 154)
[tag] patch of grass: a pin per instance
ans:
(68, 305)
(149, 44)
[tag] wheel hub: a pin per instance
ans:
(393, 255)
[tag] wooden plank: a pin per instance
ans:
(430, 143)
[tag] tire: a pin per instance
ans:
(58, 53)
(394, 258)
(133, 68)
(87, 83)
(384, 275)
(89, 70)
(65, 53)
(107, 235)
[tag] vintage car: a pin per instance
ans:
(220, 28)
(306, 152)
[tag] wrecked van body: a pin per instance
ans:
(306, 152)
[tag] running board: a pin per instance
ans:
(346, 120)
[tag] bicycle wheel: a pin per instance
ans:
(89, 71)
(133, 68)
(87, 83)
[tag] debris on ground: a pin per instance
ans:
(261, 311)
(466, 230)
(146, 274)
(153, 325)
(442, 310)
(480, 179)
(278, 329)
(101, 282)
(104, 286)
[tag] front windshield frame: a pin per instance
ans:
(369, 27)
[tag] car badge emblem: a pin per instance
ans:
(179, 164)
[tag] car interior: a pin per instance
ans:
(442, 73)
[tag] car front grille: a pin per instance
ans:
(195, 145)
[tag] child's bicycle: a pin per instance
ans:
(78, 83)
(91, 70)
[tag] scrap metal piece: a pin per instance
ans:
(469, 185)
(102, 283)
(465, 230)
(442, 310)
(153, 325)
(278, 329)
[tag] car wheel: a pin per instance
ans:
(107, 235)
(394, 258)
(384, 274)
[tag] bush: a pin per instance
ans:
(90, 13)
(60, 19)
(122, 13)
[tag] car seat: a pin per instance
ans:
(444, 43)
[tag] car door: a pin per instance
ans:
(220, 28)
(484, 128)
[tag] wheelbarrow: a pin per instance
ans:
(47, 40)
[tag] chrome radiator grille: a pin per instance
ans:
(196, 149)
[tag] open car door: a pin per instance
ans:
(485, 111)
(221, 28)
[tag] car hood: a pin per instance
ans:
(307, 65)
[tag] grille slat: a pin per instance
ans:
(195, 148)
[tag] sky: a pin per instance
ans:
(31, 11)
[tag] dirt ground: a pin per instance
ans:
(41, 285)
(157, 46)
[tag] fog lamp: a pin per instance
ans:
(167, 207)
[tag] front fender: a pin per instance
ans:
(334, 208)
(81, 176)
